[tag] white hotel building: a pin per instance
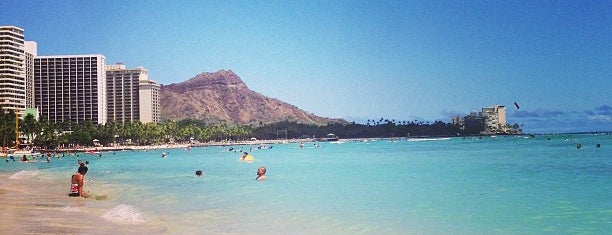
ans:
(71, 88)
(12, 69)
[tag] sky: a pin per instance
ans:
(404, 60)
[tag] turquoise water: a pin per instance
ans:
(502, 185)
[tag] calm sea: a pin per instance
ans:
(488, 185)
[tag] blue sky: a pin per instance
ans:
(359, 60)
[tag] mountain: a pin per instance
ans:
(222, 97)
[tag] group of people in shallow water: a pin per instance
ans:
(49, 156)
(261, 171)
(77, 180)
(579, 146)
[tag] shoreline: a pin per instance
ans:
(39, 205)
(100, 149)
(163, 146)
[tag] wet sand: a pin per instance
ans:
(41, 206)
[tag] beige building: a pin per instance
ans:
(12, 69)
(31, 50)
(131, 95)
(149, 101)
(494, 119)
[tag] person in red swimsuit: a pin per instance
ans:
(76, 189)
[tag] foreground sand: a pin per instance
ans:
(41, 206)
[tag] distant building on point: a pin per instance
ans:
(490, 121)
(494, 119)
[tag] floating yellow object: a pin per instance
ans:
(248, 158)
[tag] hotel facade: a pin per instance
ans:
(494, 119)
(491, 120)
(149, 101)
(12, 69)
(71, 88)
(131, 96)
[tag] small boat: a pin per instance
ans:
(24, 152)
(332, 137)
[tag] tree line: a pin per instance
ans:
(49, 135)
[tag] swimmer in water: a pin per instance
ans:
(261, 173)
(199, 173)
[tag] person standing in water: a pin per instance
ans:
(261, 173)
(78, 179)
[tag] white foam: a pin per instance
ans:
(124, 214)
(23, 175)
(69, 209)
(428, 139)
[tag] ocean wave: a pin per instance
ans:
(124, 214)
(69, 209)
(428, 139)
(23, 175)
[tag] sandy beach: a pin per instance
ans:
(33, 205)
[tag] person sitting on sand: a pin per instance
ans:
(78, 179)
(261, 173)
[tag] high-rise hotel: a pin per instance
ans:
(71, 88)
(131, 95)
(149, 101)
(12, 69)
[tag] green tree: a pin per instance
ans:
(29, 127)
(48, 137)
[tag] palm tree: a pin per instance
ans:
(29, 126)
(48, 134)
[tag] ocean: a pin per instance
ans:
(488, 185)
